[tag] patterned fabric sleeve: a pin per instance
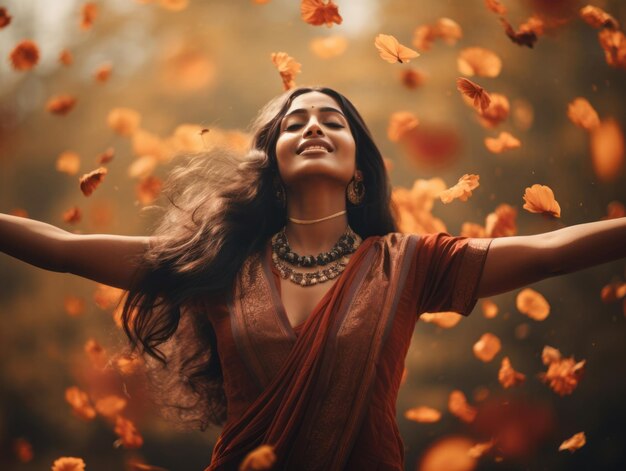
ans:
(447, 272)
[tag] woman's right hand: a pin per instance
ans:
(108, 259)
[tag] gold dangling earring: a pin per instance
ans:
(356, 189)
(279, 192)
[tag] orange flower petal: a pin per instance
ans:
(598, 18)
(74, 305)
(110, 406)
(128, 433)
(68, 162)
(287, 67)
(124, 121)
(68, 463)
(392, 51)
(504, 141)
(88, 14)
(507, 376)
(262, 457)
(79, 401)
(479, 61)
(496, 112)
(458, 406)
(60, 104)
(106, 156)
(487, 347)
(25, 55)
(412, 78)
(65, 57)
(502, 222)
(316, 12)
(5, 18)
(445, 319)
(329, 46)
(462, 190)
(581, 113)
(103, 72)
(496, 7)
(96, 354)
(533, 304)
(423, 414)
(607, 150)
(400, 123)
(489, 308)
(90, 181)
(540, 199)
(574, 442)
(480, 97)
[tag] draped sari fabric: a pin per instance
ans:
(323, 393)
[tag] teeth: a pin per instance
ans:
(315, 148)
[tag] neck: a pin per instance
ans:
(307, 239)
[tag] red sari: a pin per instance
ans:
(324, 393)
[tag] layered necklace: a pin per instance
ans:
(336, 258)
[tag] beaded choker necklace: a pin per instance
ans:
(336, 257)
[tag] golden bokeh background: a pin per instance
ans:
(208, 65)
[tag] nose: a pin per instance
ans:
(313, 129)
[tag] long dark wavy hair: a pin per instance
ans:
(223, 208)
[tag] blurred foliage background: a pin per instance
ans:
(208, 65)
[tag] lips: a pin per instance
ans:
(319, 144)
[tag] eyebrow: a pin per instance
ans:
(322, 109)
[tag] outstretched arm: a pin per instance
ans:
(108, 259)
(514, 262)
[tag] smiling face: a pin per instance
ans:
(315, 141)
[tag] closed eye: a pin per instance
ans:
(293, 127)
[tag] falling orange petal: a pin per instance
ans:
(495, 6)
(400, 123)
(458, 406)
(65, 57)
(445, 319)
(504, 141)
(423, 37)
(60, 104)
(540, 199)
(5, 18)
(598, 18)
(88, 14)
(480, 449)
(507, 376)
(532, 304)
(496, 112)
(110, 406)
(581, 113)
(68, 463)
(90, 181)
(449, 453)
(128, 433)
(103, 72)
(148, 189)
(25, 55)
(106, 156)
(287, 67)
(563, 374)
(462, 190)
(328, 46)
(523, 113)
(614, 45)
(174, 5)
(526, 35)
(574, 442)
(79, 401)
(74, 305)
(262, 457)
(613, 291)
(478, 61)
(72, 215)
(489, 308)
(316, 12)
(128, 365)
(487, 347)
(448, 30)
(412, 78)
(502, 222)
(423, 414)
(68, 162)
(392, 51)
(480, 97)
(124, 121)
(142, 167)
(550, 355)
(607, 150)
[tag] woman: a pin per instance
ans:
(280, 295)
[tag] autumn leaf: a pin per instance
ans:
(316, 12)
(25, 55)
(90, 181)
(392, 51)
